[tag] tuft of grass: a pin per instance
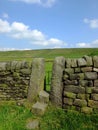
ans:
(58, 119)
(13, 117)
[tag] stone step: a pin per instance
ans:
(39, 108)
(43, 97)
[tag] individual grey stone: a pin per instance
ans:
(25, 64)
(70, 82)
(36, 79)
(32, 124)
(74, 89)
(80, 102)
(3, 66)
(69, 70)
(95, 61)
(86, 69)
(95, 69)
(96, 83)
(39, 108)
(43, 96)
(90, 75)
(74, 63)
(85, 83)
(69, 95)
(94, 97)
(25, 71)
(13, 65)
(81, 96)
(87, 110)
(77, 76)
(88, 60)
(68, 101)
(81, 62)
(56, 83)
(88, 90)
(95, 90)
(68, 63)
(93, 104)
(77, 70)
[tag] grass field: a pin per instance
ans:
(13, 117)
(48, 54)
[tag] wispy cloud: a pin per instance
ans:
(93, 23)
(5, 15)
(19, 30)
(45, 3)
(88, 45)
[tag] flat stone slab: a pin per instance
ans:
(33, 124)
(43, 96)
(39, 108)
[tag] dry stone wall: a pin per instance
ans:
(14, 80)
(79, 84)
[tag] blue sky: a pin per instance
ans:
(43, 24)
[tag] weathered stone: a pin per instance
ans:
(13, 65)
(39, 108)
(74, 63)
(43, 97)
(81, 96)
(83, 83)
(80, 103)
(81, 62)
(32, 124)
(86, 110)
(3, 66)
(77, 70)
(56, 82)
(88, 90)
(88, 60)
(69, 70)
(95, 69)
(25, 64)
(96, 83)
(86, 69)
(90, 75)
(93, 104)
(74, 89)
(69, 95)
(94, 97)
(37, 79)
(68, 101)
(25, 71)
(77, 76)
(95, 60)
(95, 90)
(68, 63)
(70, 82)
(18, 65)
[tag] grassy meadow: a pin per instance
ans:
(13, 117)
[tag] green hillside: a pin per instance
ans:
(47, 54)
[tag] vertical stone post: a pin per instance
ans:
(36, 79)
(56, 83)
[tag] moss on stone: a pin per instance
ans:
(69, 94)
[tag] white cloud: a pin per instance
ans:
(45, 3)
(92, 23)
(19, 30)
(4, 26)
(88, 45)
(13, 49)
